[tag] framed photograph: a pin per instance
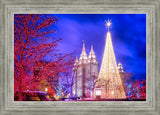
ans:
(80, 57)
(50, 68)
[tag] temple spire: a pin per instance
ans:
(92, 56)
(91, 48)
(83, 49)
(83, 56)
(76, 58)
(76, 61)
(120, 67)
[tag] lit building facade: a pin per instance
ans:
(85, 73)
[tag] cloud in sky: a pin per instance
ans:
(128, 34)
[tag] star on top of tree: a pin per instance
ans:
(108, 24)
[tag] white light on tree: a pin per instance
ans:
(112, 92)
(108, 24)
(109, 77)
(46, 89)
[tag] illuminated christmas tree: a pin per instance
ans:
(109, 84)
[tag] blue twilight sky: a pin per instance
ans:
(128, 32)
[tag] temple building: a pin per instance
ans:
(108, 83)
(85, 73)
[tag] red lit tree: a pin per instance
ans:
(127, 80)
(33, 41)
(137, 89)
(142, 91)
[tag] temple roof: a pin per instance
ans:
(83, 57)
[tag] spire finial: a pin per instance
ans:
(119, 60)
(83, 50)
(92, 48)
(108, 24)
(76, 58)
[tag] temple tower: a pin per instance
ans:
(85, 72)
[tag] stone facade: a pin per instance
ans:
(85, 73)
